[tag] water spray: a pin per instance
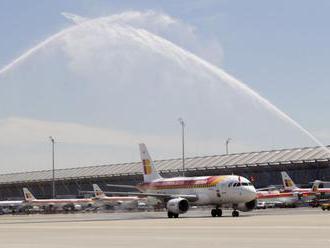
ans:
(167, 49)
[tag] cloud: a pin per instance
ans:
(15, 131)
(81, 145)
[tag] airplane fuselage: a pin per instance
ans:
(210, 190)
(285, 198)
(10, 203)
(60, 203)
(124, 201)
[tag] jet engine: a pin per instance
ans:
(177, 205)
(248, 206)
(298, 195)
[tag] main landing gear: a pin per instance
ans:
(172, 215)
(216, 212)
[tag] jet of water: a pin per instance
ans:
(182, 56)
(32, 51)
(170, 50)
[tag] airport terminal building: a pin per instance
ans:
(262, 168)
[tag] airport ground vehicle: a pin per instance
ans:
(261, 205)
(325, 206)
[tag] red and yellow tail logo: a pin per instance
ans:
(147, 166)
(315, 188)
(28, 196)
(288, 183)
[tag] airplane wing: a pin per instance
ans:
(271, 187)
(122, 186)
(266, 189)
(190, 198)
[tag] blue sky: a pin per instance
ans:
(279, 48)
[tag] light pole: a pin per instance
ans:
(227, 143)
(52, 140)
(182, 128)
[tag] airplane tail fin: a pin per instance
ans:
(98, 191)
(149, 171)
(287, 181)
(28, 196)
(316, 185)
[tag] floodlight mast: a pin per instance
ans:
(52, 140)
(227, 145)
(182, 123)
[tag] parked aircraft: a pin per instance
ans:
(291, 195)
(289, 185)
(55, 204)
(10, 206)
(179, 193)
(277, 198)
(309, 194)
(127, 202)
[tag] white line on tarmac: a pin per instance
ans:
(162, 227)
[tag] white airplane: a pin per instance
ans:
(277, 198)
(128, 202)
(291, 195)
(309, 194)
(53, 204)
(11, 206)
(289, 185)
(179, 193)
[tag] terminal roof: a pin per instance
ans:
(261, 158)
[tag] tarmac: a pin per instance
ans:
(302, 227)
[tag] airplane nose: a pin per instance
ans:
(251, 193)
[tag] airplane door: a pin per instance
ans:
(218, 193)
(221, 192)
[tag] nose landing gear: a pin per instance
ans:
(235, 213)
